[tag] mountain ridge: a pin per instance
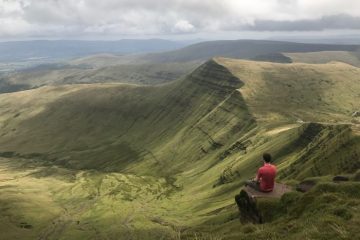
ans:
(244, 49)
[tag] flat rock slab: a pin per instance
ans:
(254, 205)
(279, 190)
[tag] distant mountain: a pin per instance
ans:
(342, 39)
(154, 68)
(59, 49)
(243, 49)
(57, 74)
(352, 58)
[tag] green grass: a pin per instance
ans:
(165, 162)
(135, 73)
(351, 58)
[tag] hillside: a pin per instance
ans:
(352, 58)
(260, 50)
(162, 67)
(312, 93)
(106, 60)
(66, 49)
(166, 161)
(244, 49)
(148, 74)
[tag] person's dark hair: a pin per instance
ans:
(267, 157)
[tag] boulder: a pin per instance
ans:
(257, 207)
(305, 186)
(341, 179)
(356, 114)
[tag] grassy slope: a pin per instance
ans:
(207, 134)
(351, 58)
(105, 60)
(244, 49)
(323, 92)
(124, 73)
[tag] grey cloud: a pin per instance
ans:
(327, 22)
(154, 17)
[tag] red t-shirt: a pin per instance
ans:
(266, 175)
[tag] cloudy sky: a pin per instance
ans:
(102, 19)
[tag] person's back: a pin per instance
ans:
(266, 176)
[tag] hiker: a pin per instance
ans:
(265, 178)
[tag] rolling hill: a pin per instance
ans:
(148, 74)
(165, 161)
(244, 49)
(156, 68)
(352, 58)
(66, 49)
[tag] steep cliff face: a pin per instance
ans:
(119, 127)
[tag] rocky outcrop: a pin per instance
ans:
(305, 186)
(258, 207)
(341, 179)
(356, 114)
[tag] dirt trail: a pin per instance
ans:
(281, 129)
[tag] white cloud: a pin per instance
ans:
(69, 18)
(183, 26)
(14, 26)
(10, 7)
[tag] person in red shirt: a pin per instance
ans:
(265, 177)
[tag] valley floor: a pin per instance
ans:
(43, 202)
(39, 202)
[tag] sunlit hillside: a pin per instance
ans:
(110, 161)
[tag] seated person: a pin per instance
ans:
(265, 178)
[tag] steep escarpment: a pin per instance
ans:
(323, 149)
(124, 127)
